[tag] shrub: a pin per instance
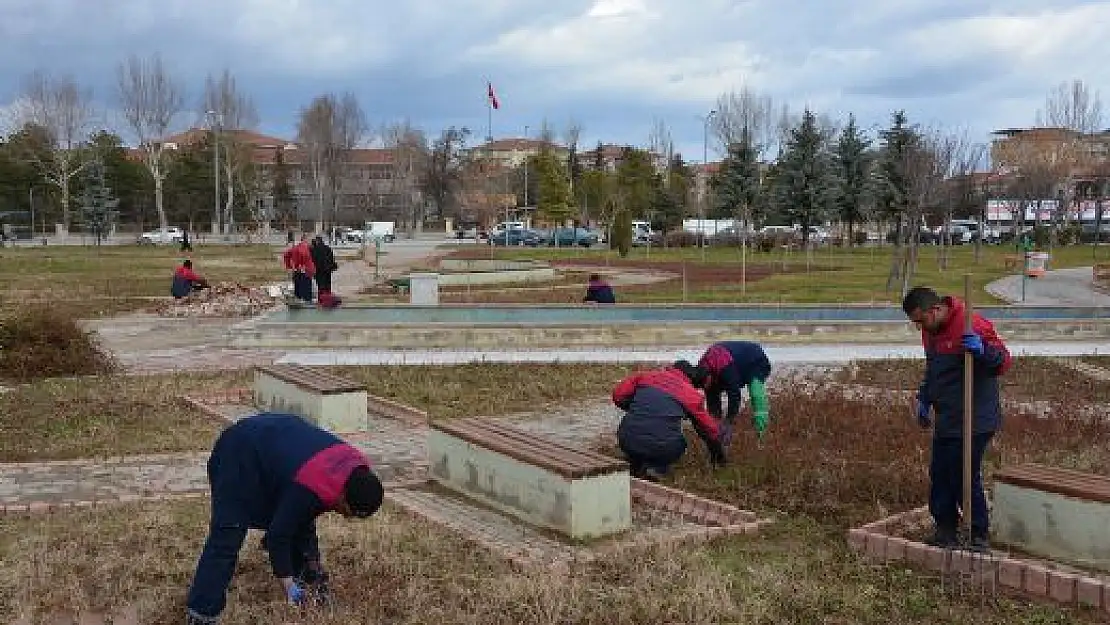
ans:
(41, 342)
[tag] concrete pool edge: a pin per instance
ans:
(292, 335)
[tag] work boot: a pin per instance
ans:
(943, 538)
(192, 618)
(980, 544)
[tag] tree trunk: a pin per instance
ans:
(229, 206)
(896, 256)
(159, 179)
(64, 179)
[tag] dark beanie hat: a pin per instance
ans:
(695, 374)
(364, 492)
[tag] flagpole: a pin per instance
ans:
(489, 111)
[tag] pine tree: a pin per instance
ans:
(98, 206)
(805, 181)
(852, 167)
(892, 186)
(554, 201)
(621, 238)
(737, 186)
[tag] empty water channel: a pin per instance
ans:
(458, 326)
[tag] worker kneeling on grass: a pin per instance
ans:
(731, 366)
(277, 472)
(655, 404)
(946, 339)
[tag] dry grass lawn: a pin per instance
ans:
(120, 415)
(395, 570)
(92, 282)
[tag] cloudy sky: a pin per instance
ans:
(611, 65)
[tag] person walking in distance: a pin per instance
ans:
(941, 394)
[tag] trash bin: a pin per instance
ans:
(1036, 263)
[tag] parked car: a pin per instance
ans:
(566, 237)
(516, 236)
(172, 234)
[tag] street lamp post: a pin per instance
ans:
(214, 124)
(705, 181)
(526, 170)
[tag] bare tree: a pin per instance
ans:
(234, 112)
(747, 111)
(64, 111)
(1073, 106)
(328, 129)
(410, 156)
(150, 101)
(572, 134)
(958, 157)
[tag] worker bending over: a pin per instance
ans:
(732, 365)
(655, 404)
(276, 472)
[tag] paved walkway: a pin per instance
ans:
(781, 354)
(398, 451)
(1060, 287)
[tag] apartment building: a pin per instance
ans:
(371, 188)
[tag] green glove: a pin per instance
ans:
(760, 420)
(760, 406)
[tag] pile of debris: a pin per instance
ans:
(222, 300)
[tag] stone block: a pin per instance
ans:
(1089, 591)
(1011, 574)
(1036, 580)
(896, 548)
(1062, 586)
(936, 559)
(876, 546)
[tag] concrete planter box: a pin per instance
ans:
(340, 411)
(1054, 513)
(576, 500)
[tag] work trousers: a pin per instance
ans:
(946, 484)
(657, 456)
(323, 281)
(302, 286)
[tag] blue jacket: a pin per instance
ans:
(655, 403)
(732, 365)
(599, 292)
(278, 472)
(943, 386)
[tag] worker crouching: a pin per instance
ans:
(655, 404)
(278, 473)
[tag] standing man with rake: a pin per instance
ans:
(946, 340)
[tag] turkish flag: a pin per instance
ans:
(492, 96)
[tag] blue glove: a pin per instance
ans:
(296, 594)
(973, 343)
(725, 433)
(924, 419)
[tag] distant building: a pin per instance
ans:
(514, 152)
(371, 188)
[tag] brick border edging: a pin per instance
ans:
(721, 519)
(994, 569)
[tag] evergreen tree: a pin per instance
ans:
(852, 167)
(805, 181)
(621, 237)
(890, 181)
(666, 209)
(553, 201)
(737, 186)
(129, 179)
(599, 157)
(635, 179)
(98, 205)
